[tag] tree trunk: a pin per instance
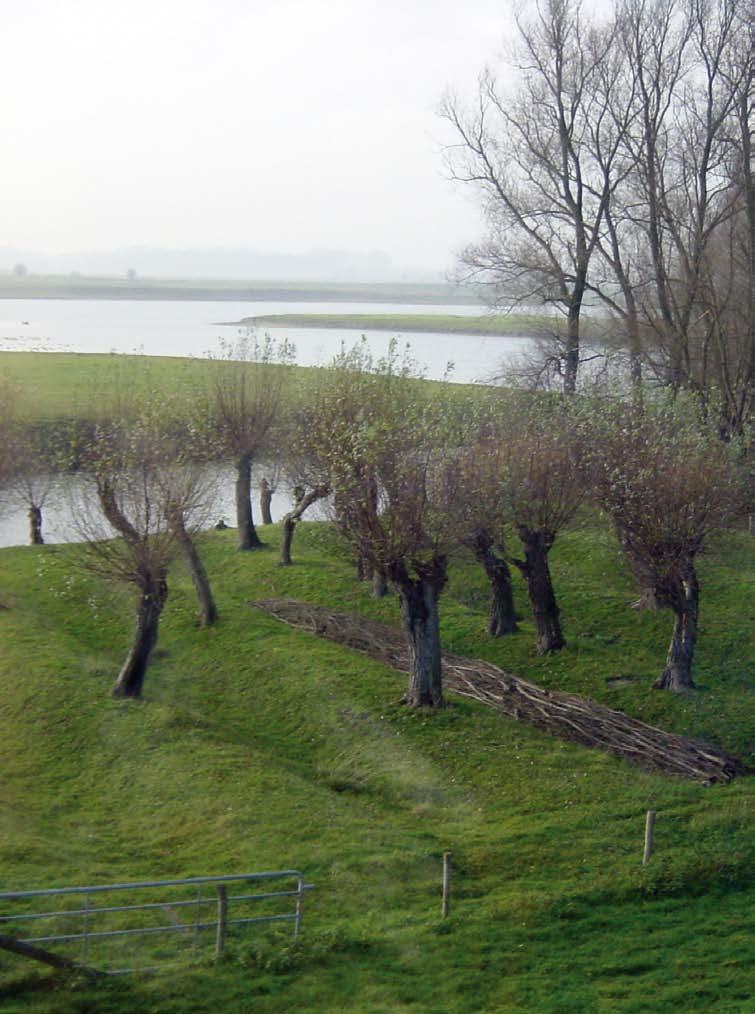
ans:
(502, 619)
(208, 612)
(419, 615)
(573, 718)
(287, 537)
(35, 526)
(379, 584)
(247, 534)
(677, 675)
(535, 570)
(572, 352)
(153, 593)
(364, 567)
(266, 498)
(303, 501)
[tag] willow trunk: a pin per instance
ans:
(247, 533)
(677, 674)
(536, 572)
(502, 620)
(153, 593)
(419, 614)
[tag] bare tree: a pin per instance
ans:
(538, 453)
(152, 503)
(244, 400)
(667, 482)
(684, 197)
(394, 503)
(483, 520)
(268, 488)
(543, 194)
(304, 453)
(33, 478)
(124, 474)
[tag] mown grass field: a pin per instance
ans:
(259, 747)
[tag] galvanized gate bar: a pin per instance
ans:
(87, 912)
(38, 892)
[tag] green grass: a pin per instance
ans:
(54, 386)
(69, 385)
(75, 286)
(519, 324)
(259, 747)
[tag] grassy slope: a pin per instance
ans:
(70, 385)
(259, 747)
(67, 385)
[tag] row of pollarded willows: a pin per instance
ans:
(412, 479)
(412, 472)
(565, 715)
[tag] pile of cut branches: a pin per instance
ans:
(566, 715)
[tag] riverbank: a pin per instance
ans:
(494, 325)
(254, 290)
(259, 747)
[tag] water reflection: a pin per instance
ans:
(72, 505)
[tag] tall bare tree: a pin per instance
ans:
(543, 195)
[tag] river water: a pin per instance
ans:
(196, 328)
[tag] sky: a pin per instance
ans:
(284, 125)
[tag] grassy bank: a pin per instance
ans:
(96, 287)
(259, 747)
(521, 325)
(69, 385)
(53, 386)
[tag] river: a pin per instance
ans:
(194, 328)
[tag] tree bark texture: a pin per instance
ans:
(677, 675)
(35, 526)
(568, 716)
(153, 593)
(304, 500)
(208, 612)
(536, 572)
(418, 598)
(502, 619)
(287, 537)
(247, 533)
(266, 498)
(379, 584)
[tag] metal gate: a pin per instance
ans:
(88, 925)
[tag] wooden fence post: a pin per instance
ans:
(222, 918)
(649, 825)
(446, 902)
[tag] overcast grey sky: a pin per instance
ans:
(272, 124)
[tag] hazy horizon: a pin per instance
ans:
(316, 265)
(279, 127)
